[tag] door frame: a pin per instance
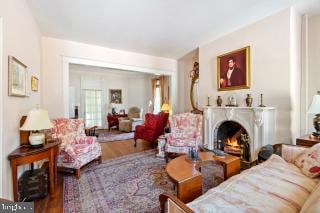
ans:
(2, 160)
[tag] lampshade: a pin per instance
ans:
(315, 105)
(37, 119)
(165, 107)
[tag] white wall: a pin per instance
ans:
(53, 51)
(21, 39)
(136, 87)
(311, 64)
(269, 40)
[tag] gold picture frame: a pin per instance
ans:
(239, 75)
(17, 85)
(34, 83)
(115, 96)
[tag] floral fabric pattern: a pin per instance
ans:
(309, 161)
(185, 132)
(76, 148)
(271, 186)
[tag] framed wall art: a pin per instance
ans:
(115, 96)
(17, 77)
(233, 70)
(34, 83)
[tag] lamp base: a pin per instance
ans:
(316, 123)
(36, 139)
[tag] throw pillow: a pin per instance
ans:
(309, 161)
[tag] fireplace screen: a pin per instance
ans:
(232, 138)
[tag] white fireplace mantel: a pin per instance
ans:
(259, 122)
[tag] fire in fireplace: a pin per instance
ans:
(233, 139)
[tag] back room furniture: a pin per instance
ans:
(113, 120)
(128, 124)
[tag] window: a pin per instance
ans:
(157, 98)
(93, 114)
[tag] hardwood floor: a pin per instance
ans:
(109, 150)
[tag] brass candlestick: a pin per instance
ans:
(261, 101)
(208, 101)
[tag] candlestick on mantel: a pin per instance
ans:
(208, 101)
(261, 101)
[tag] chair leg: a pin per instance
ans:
(77, 173)
(135, 142)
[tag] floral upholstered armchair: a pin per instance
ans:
(76, 149)
(186, 132)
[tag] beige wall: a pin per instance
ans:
(311, 68)
(21, 39)
(270, 45)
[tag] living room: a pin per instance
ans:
(61, 45)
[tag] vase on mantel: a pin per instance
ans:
(249, 100)
(219, 101)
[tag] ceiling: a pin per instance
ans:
(165, 28)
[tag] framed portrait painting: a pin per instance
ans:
(115, 96)
(17, 77)
(34, 83)
(233, 70)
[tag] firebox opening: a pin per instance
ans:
(233, 139)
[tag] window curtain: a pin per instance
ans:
(164, 84)
(154, 86)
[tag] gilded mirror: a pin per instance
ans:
(194, 89)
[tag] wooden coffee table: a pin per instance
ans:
(187, 177)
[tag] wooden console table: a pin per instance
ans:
(113, 120)
(307, 140)
(28, 155)
(189, 180)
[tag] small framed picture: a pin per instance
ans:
(34, 83)
(17, 77)
(115, 96)
(233, 70)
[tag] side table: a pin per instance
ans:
(188, 179)
(28, 155)
(307, 140)
(161, 144)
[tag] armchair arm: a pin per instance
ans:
(290, 152)
(175, 204)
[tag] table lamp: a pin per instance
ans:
(165, 108)
(315, 109)
(37, 120)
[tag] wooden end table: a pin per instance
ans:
(189, 180)
(307, 140)
(28, 155)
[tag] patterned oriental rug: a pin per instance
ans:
(114, 136)
(131, 183)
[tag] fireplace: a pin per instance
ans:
(232, 138)
(253, 127)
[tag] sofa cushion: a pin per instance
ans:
(312, 205)
(273, 186)
(309, 161)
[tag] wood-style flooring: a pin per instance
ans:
(109, 150)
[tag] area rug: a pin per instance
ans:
(131, 183)
(114, 136)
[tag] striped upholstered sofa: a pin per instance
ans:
(276, 185)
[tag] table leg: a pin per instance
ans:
(51, 173)
(14, 180)
(55, 166)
